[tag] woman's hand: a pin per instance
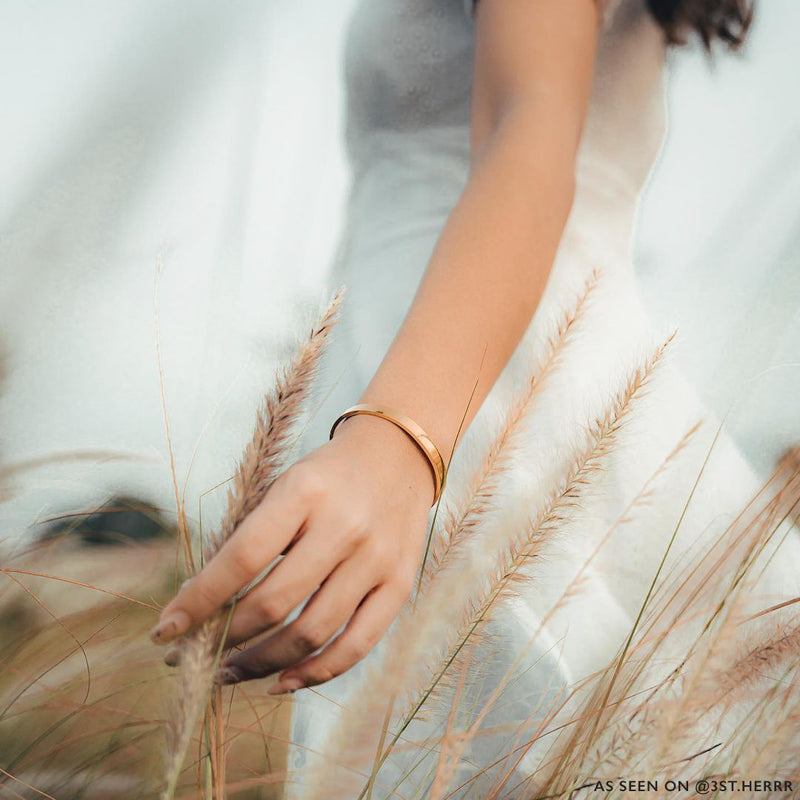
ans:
(352, 517)
(353, 513)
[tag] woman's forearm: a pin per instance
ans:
(484, 280)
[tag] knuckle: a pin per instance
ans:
(346, 530)
(321, 674)
(246, 560)
(305, 482)
(358, 649)
(204, 593)
(354, 524)
(311, 636)
(375, 550)
(346, 516)
(272, 609)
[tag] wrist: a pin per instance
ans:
(396, 450)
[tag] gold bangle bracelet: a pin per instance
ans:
(421, 439)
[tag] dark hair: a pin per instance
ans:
(726, 21)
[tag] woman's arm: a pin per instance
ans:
(356, 508)
(532, 81)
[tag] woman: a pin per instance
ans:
(498, 156)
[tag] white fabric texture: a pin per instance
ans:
(408, 68)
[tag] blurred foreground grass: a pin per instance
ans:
(83, 692)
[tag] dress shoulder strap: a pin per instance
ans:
(607, 10)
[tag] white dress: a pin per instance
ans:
(408, 73)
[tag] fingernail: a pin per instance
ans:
(227, 675)
(170, 627)
(286, 685)
(173, 656)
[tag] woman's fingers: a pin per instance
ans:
(308, 564)
(257, 541)
(362, 633)
(328, 609)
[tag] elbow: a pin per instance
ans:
(560, 112)
(537, 144)
(553, 129)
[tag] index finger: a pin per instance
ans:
(263, 534)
